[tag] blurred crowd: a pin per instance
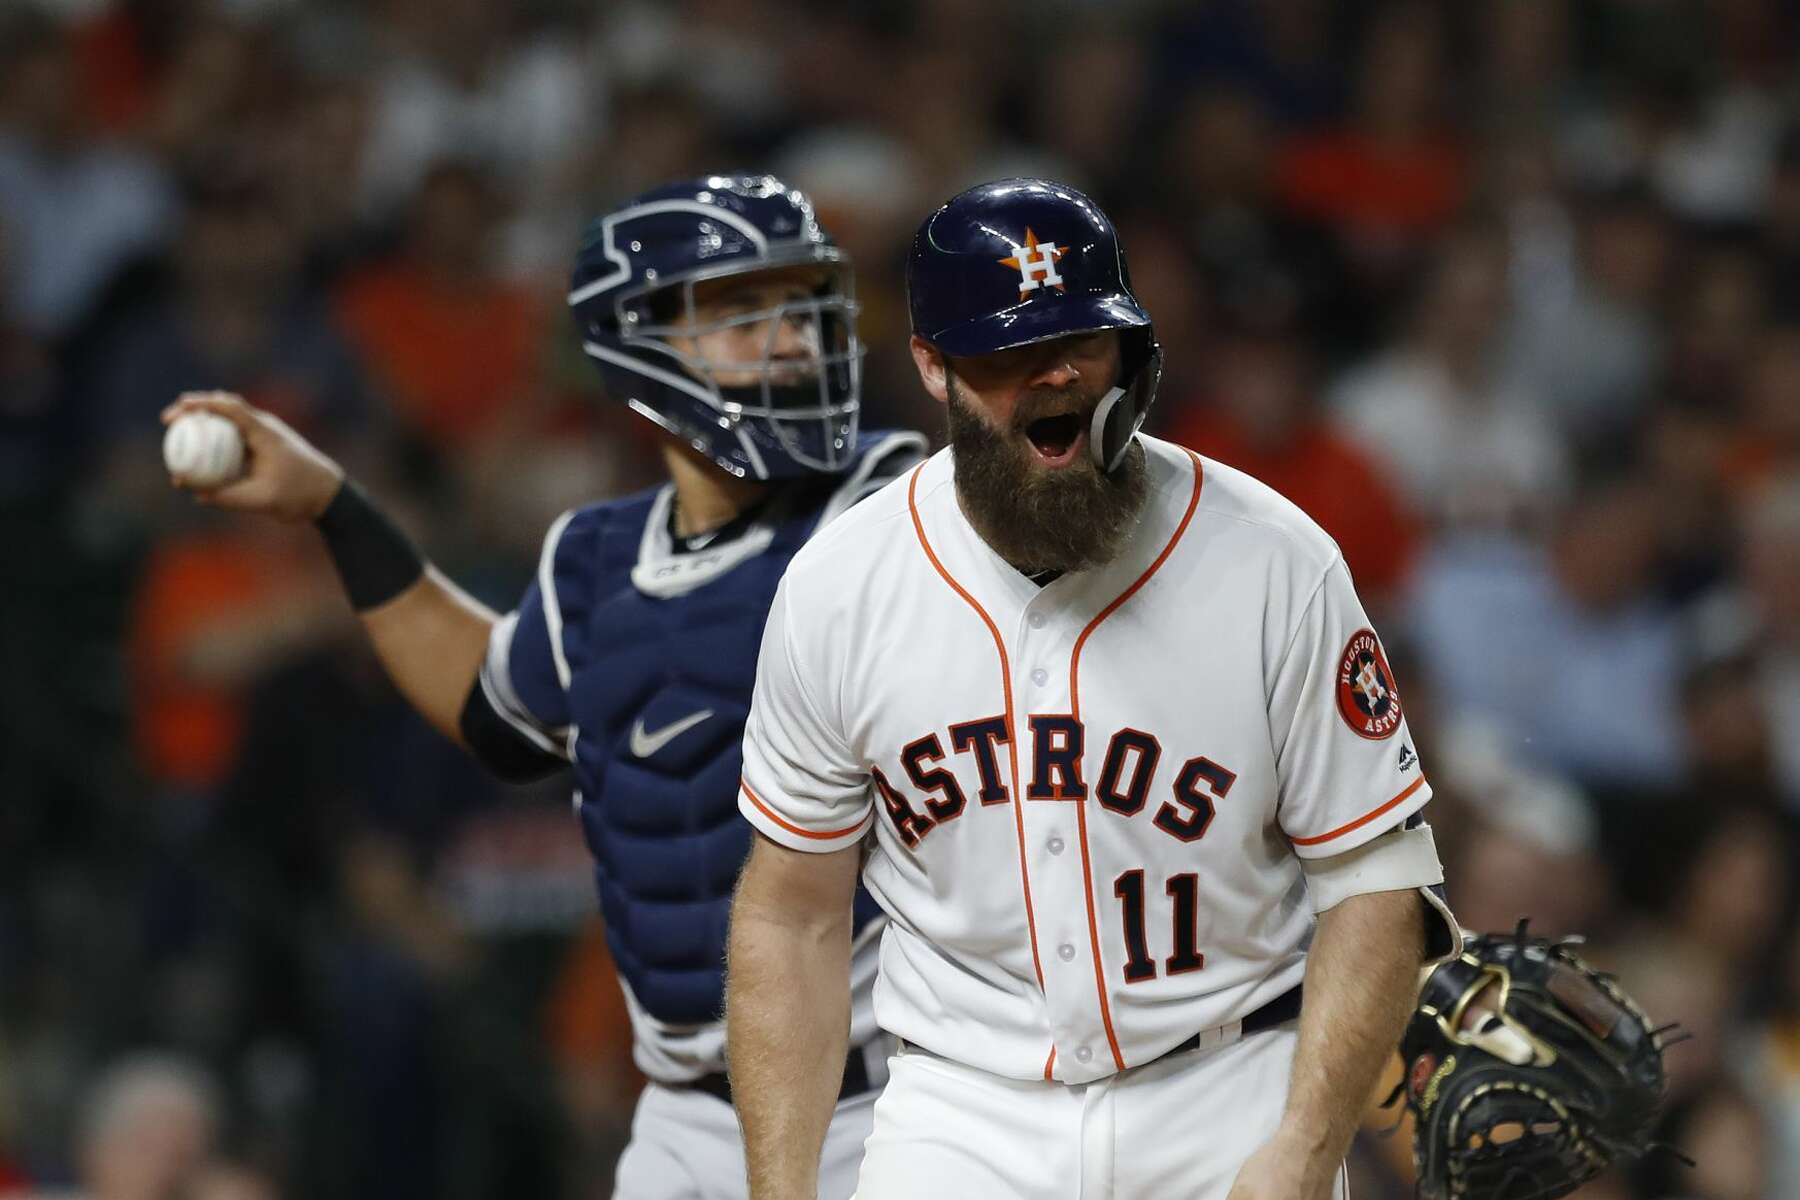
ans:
(1505, 293)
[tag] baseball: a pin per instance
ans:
(203, 450)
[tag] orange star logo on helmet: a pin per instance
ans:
(1035, 262)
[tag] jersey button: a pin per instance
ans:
(1036, 620)
(1083, 1054)
(1054, 845)
(1040, 677)
(1066, 951)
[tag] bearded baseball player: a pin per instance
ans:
(1102, 726)
(718, 309)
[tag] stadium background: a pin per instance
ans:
(1505, 292)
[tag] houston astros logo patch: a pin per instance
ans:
(1035, 262)
(1366, 695)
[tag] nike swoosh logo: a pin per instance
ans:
(644, 743)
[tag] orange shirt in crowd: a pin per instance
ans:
(115, 75)
(1751, 463)
(1331, 480)
(586, 1025)
(450, 359)
(221, 596)
(1347, 180)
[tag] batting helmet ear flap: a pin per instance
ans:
(1121, 412)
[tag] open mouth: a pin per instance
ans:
(1057, 440)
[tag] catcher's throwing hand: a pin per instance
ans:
(284, 476)
(1527, 1072)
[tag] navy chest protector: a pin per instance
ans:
(661, 651)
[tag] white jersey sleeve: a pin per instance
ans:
(802, 787)
(1348, 772)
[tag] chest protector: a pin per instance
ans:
(661, 647)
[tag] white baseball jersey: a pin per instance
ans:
(1091, 799)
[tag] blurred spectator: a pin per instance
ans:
(1772, 575)
(657, 132)
(1767, 444)
(1728, 734)
(1730, 897)
(1093, 127)
(315, 155)
(944, 104)
(37, 433)
(1560, 644)
(1720, 1128)
(1528, 55)
(713, 45)
(1588, 343)
(228, 1182)
(1395, 173)
(1714, 165)
(1463, 443)
(587, 1030)
(1260, 416)
(209, 91)
(1719, 315)
(76, 210)
(1255, 257)
(1772, 1065)
(1285, 54)
(115, 64)
(462, 79)
(451, 345)
(1527, 826)
(204, 630)
(151, 1124)
(232, 317)
(1780, 234)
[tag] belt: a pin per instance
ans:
(1285, 1007)
(856, 1079)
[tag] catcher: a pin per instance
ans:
(1526, 1072)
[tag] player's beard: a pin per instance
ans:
(1038, 518)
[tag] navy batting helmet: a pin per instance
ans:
(1019, 261)
(633, 289)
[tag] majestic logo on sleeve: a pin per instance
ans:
(1366, 695)
(1036, 264)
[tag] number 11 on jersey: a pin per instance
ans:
(1184, 894)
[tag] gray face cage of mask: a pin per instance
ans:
(803, 384)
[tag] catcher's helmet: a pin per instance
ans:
(633, 288)
(1019, 261)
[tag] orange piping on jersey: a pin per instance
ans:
(1341, 830)
(819, 835)
(1012, 734)
(1050, 1065)
(1087, 873)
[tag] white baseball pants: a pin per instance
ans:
(685, 1145)
(1177, 1127)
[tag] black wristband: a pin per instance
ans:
(374, 558)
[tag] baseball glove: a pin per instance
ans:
(1526, 1071)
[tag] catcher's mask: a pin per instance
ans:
(774, 415)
